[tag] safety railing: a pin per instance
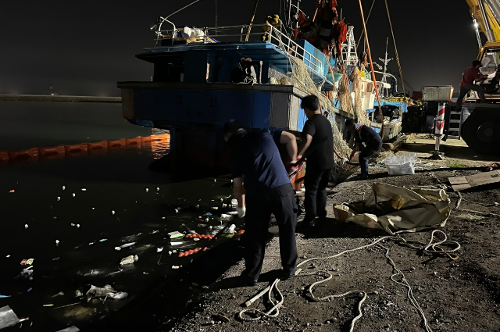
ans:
(245, 32)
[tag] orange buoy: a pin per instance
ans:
(182, 254)
(28, 155)
(98, 146)
(4, 156)
(116, 144)
(52, 152)
(133, 142)
(75, 149)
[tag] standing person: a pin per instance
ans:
(261, 181)
(469, 77)
(372, 143)
(317, 149)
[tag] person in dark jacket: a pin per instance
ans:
(317, 150)
(369, 139)
(262, 187)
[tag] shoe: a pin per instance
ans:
(305, 226)
(322, 215)
(246, 280)
(287, 274)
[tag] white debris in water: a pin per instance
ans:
(57, 242)
(73, 194)
(93, 208)
(8, 256)
(58, 198)
(112, 212)
(84, 189)
(63, 187)
(118, 248)
(26, 226)
(147, 189)
(157, 188)
(129, 260)
(163, 218)
(77, 225)
(159, 249)
(175, 267)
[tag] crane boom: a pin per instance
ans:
(487, 15)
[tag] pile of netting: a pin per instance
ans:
(342, 92)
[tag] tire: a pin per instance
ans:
(481, 131)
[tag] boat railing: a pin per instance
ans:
(243, 33)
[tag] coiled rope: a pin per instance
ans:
(431, 248)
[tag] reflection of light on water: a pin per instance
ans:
(160, 143)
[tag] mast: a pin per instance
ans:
(251, 20)
(381, 115)
(386, 62)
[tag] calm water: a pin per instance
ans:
(70, 213)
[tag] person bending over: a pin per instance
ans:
(261, 182)
(372, 143)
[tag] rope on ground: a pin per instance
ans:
(273, 312)
(430, 248)
(402, 281)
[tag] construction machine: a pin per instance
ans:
(480, 122)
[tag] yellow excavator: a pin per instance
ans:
(481, 129)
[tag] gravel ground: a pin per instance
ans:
(454, 295)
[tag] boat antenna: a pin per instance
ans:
(192, 3)
(162, 20)
(216, 19)
(395, 49)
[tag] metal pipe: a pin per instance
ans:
(488, 32)
(495, 8)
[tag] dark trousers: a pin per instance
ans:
(315, 183)
(465, 89)
(281, 202)
(365, 155)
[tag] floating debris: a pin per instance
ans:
(63, 187)
(84, 189)
(58, 198)
(106, 291)
(27, 262)
(175, 235)
(57, 242)
(129, 260)
(73, 194)
(26, 226)
(112, 212)
(147, 189)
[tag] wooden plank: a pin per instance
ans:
(465, 182)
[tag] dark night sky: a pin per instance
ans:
(84, 48)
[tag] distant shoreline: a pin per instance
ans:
(61, 98)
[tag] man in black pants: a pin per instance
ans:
(261, 181)
(372, 143)
(317, 149)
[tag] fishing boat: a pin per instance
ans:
(255, 73)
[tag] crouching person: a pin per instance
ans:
(372, 143)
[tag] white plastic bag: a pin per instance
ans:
(403, 164)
